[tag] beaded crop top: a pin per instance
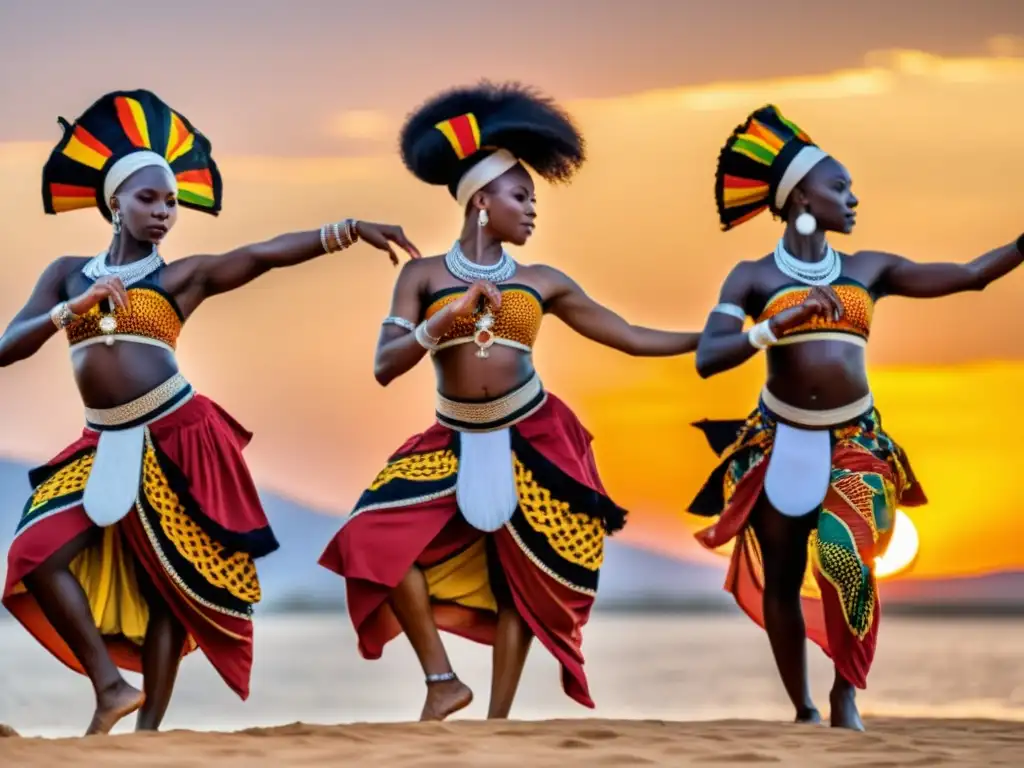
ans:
(516, 323)
(152, 317)
(853, 327)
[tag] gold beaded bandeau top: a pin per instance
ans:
(516, 323)
(853, 327)
(152, 317)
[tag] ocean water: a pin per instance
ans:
(645, 666)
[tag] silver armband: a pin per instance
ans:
(401, 322)
(732, 310)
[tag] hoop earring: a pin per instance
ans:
(482, 218)
(115, 220)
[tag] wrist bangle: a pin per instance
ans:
(338, 236)
(760, 336)
(62, 316)
(424, 338)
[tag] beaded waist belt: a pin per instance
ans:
(821, 419)
(491, 415)
(170, 395)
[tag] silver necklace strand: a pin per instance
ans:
(130, 273)
(469, 271)
(823, 272)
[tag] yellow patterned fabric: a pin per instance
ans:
(518, 320)
(150, 315)
(66, 482)
(199, 565)
(424, 467)
(235, 572)
(858, 310)
(575, 536)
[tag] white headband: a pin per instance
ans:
(482, 174)
(805, 159)
(128, 165)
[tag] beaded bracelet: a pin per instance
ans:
(428, 342)
(333, 239)
(62, 316)
(761, 336)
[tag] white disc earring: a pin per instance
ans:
(483, 218)
(806, 224)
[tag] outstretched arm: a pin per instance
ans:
(570, 304)
(902, 277)
(201, 277)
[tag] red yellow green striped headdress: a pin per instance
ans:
(760, 165)
(119, 134)
(467, 137)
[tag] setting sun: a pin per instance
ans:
(903, 548)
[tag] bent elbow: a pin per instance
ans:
(7, 356)
(705, 367)
(383, 376)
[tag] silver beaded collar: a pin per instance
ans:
(469, 271)
(130, 273)
(823, 272)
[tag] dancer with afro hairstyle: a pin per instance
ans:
(491, 523)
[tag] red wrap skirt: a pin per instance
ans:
(194, 531)
(544, 562)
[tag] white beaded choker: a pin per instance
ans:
(823, 272)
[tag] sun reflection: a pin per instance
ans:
(903, 548)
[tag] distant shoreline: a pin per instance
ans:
(972, 610)
(713, 607)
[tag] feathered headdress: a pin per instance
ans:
(759, 166)
(467, 137)
(119, 134)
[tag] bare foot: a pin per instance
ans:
(808, 716)
(844, 709)
(112, 704)
(445, 698)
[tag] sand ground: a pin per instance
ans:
(561, 743)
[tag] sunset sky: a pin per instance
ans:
(302, 101)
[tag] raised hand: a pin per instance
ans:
(381, 236)
(469, 302)
(107, 287)
(822, 302)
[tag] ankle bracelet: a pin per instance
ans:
(444, 677)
